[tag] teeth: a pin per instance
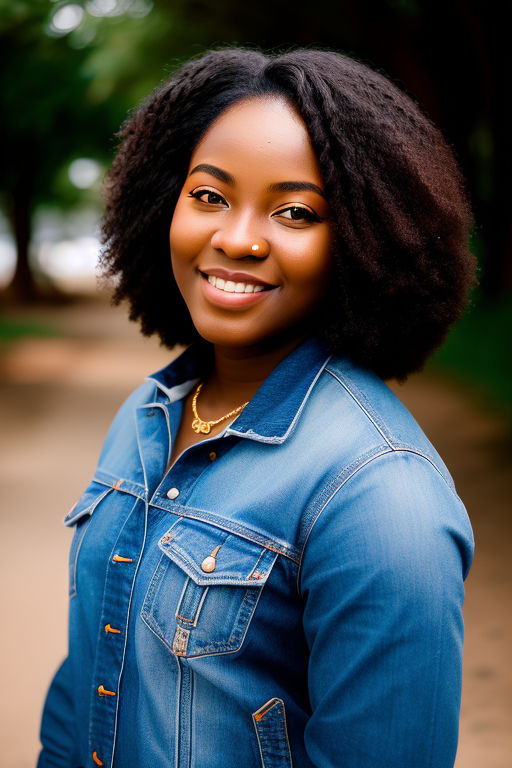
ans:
(231, 287)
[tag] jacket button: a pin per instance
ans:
(173, 493)
(212, 455)
(209, 563)
(103, 691)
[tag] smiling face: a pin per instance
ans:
(250, 237)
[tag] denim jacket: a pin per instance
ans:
(289, 593)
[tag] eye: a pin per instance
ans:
(208, 196)
(297, 213)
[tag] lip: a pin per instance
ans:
(236, 277)
(233, 300)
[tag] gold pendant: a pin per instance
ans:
(199, 426)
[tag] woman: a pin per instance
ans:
(267, 568)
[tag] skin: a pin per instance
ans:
(258, 142)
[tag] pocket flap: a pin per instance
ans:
(211, 555)
(87, 503)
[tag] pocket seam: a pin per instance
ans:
(270, 758)
(252, 595)
(180, 556)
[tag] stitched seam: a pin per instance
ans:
(282, 716)
(89, 510)
(306, 397)
(345, 480)
(200, 605)
(74, 592)
(259, 742)
(166, 414)
(139, 448)
(116, 487)
(363, 464)
(231, 527)
(255, 566)
(275, 439)
(361, 406)
(107, 478)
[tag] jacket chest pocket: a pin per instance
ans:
(79, 517)
(205, 589)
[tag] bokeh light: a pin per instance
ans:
(67, 18)
(83, 172)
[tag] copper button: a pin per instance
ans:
(208, 564)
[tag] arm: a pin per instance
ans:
(56, 727)
(382, 579)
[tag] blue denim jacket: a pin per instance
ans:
(289, 593)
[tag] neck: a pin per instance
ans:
(238, 373)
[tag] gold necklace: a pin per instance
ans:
(200, 426)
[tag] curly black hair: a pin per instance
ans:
(400, 211)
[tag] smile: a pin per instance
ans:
(230, 293)
(231, 287)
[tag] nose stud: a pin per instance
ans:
(260, 248)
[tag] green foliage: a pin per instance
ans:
(478, 351)
(12, 330)
(47, 115)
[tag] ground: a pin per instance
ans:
(58, 397)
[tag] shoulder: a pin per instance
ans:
(360, 417)
(393, 520)
(389, 497)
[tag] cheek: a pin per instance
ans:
(186, 237)
(309, 264)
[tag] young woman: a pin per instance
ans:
(267, 567)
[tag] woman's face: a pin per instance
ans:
(251, 215)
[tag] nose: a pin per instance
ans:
(237, 243)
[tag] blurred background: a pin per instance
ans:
(70, 72)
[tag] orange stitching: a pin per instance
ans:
(108, 628)
(184, 618)
(96, 758)
(103, 691)
(117, 485)
(260, 715)
(119, 559)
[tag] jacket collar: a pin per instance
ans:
(271, 414)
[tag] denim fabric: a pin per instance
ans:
(329, 631)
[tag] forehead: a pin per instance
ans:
(262, 133)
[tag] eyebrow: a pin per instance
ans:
(280, 186)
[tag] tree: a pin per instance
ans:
(55, 107)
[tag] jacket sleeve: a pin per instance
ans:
(382, 580)
(56, 735)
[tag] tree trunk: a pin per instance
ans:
(23, 287)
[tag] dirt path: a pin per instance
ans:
(57, 399)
